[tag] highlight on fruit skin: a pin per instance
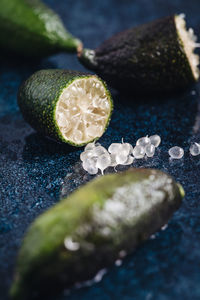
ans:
(32, 29)
(88, 230)
(157, 57)
(67, 106)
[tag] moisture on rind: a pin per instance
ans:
(149, 58)
(88, 230)
(44, 95)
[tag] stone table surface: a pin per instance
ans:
(35, 172)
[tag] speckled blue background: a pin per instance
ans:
(36, 172)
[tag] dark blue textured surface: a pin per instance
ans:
(36, 172)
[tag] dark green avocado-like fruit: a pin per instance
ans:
(30, 28)
(67, 106)
(97, 224)
(154, 57)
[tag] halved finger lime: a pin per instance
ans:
(68, 106)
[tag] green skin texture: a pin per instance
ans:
(146, 59)
(44, 264)
(30, 28)
(38, 97)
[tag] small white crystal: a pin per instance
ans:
(103, 161)
(115, 148)
(138, 152)
(121, 158)
(143, 141)
(150, 150)
(195, 149)
(155, 140)
(176, 152)
(129, 161)
(90, 165)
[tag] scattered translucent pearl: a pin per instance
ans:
(195, 149)
(150, 150)
(115, 148)
(127, 148)
(90, 165)
(155, 140)
(86, 154)
(138, 152)
(121, 158)
(113, 162)
(97, 151)
(103, 162)
(143, 141)
(176, 152)
(90, 146)
(129, 161)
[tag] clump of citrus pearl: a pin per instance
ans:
(95, 157)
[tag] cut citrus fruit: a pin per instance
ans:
(67, 106)
(157, 57)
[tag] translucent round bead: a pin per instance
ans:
(113, 162)
(103, 162)
(127, 148)
(138, 152)
(90, 146)
(143, 141)
(195, 149)
(86, 154)
(97, 151)
(155, 140)
(150, 150)
(176, 152)
(129, 161)
(115, 148)
(121, 158)
(90, 165)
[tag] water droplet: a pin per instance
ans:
(98, 277)
(118, 262)
(176, 152)
(71, 245)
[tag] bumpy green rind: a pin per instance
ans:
(38, 96)
(148, 58)
(30, 28)
(92, 218)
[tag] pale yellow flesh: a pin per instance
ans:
(189, 41)
(83, 110)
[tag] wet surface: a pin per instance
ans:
(36, 172)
